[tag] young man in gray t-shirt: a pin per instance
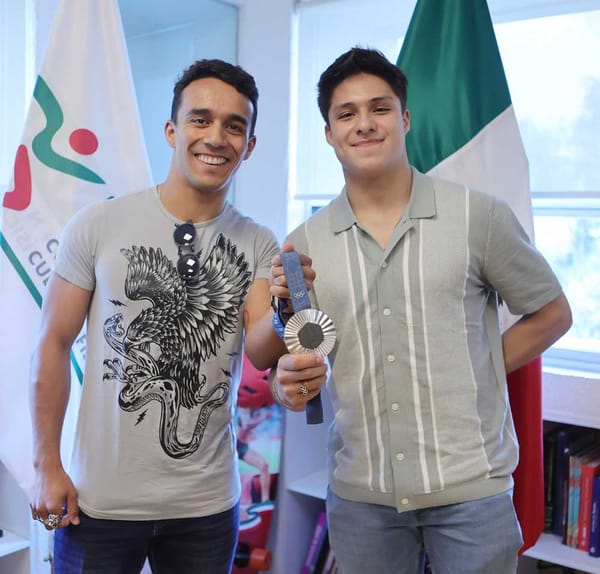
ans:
(168, 279)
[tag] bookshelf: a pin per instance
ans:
(566, 399)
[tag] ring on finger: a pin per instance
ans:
(302, 389)
(53, 521)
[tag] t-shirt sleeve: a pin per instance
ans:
(76, 254)
(514, 267)
(266, 248)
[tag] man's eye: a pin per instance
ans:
(199, 121)
(381, 110)
(344, 115)
(237, 128)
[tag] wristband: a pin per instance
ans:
(278, 399)
(278, 326)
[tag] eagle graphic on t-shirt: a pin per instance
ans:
(163, 347)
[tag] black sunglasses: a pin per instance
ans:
(188, 264)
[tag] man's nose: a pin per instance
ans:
(365, 123)
(215, 135)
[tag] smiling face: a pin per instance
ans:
(367, 127)
(211, 135)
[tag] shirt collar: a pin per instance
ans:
(421, 204)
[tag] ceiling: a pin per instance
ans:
(148, 16)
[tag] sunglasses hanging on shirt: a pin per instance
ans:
(188, 264)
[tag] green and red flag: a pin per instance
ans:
(464, 129)
(82, 142)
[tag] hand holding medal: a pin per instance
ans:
(307, 330)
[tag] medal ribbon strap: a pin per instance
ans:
(295, 281)
(300, 301)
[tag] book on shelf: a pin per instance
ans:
(316, 545)
(595, 519)
(573, 440)
(577, 458)
(550, 440)
(589, 469)
(323, 553)
(564, 436)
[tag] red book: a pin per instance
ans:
(589, 469)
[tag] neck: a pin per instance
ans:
(378, 203)
(187, 204)
(388, 191)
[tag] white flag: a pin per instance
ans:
(82, 142)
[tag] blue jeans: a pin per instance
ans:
(179, 546)
(478, 537)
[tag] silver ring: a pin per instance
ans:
(302, 389)
(53, 521)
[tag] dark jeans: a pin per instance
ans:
(179, 546)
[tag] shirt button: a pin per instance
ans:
(404, 501)
(384, 264)
(395, 406)
(391, 358)
(400, 456)
(387, 312)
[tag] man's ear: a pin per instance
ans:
(170, 133)
(251, 145)
(406, 120)
(328, 134)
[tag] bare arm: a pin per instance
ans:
(531, 335)
(263, 345)
(63, 314)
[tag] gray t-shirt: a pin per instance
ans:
(155, 438)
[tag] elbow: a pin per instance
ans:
(259, 359)
(566, 318)
(563, 318)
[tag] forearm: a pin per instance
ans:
(50, 388)
(263, 345)
(533, 334)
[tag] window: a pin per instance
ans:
(16, 79)
(559, 118)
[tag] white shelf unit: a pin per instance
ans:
(566, 399)
(573, 400)
(550, 549)
(11, 543)
(14, 521)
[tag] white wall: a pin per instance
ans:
(264, 49)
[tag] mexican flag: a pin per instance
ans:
(463, 128)
(82, 142)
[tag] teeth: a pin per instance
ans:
(211, 159)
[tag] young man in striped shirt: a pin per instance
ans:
(411, 270)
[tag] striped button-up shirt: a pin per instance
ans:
(418, 385)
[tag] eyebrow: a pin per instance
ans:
(208, 112)
(376, 100)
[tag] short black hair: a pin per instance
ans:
(359, 61)
(233, 75)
